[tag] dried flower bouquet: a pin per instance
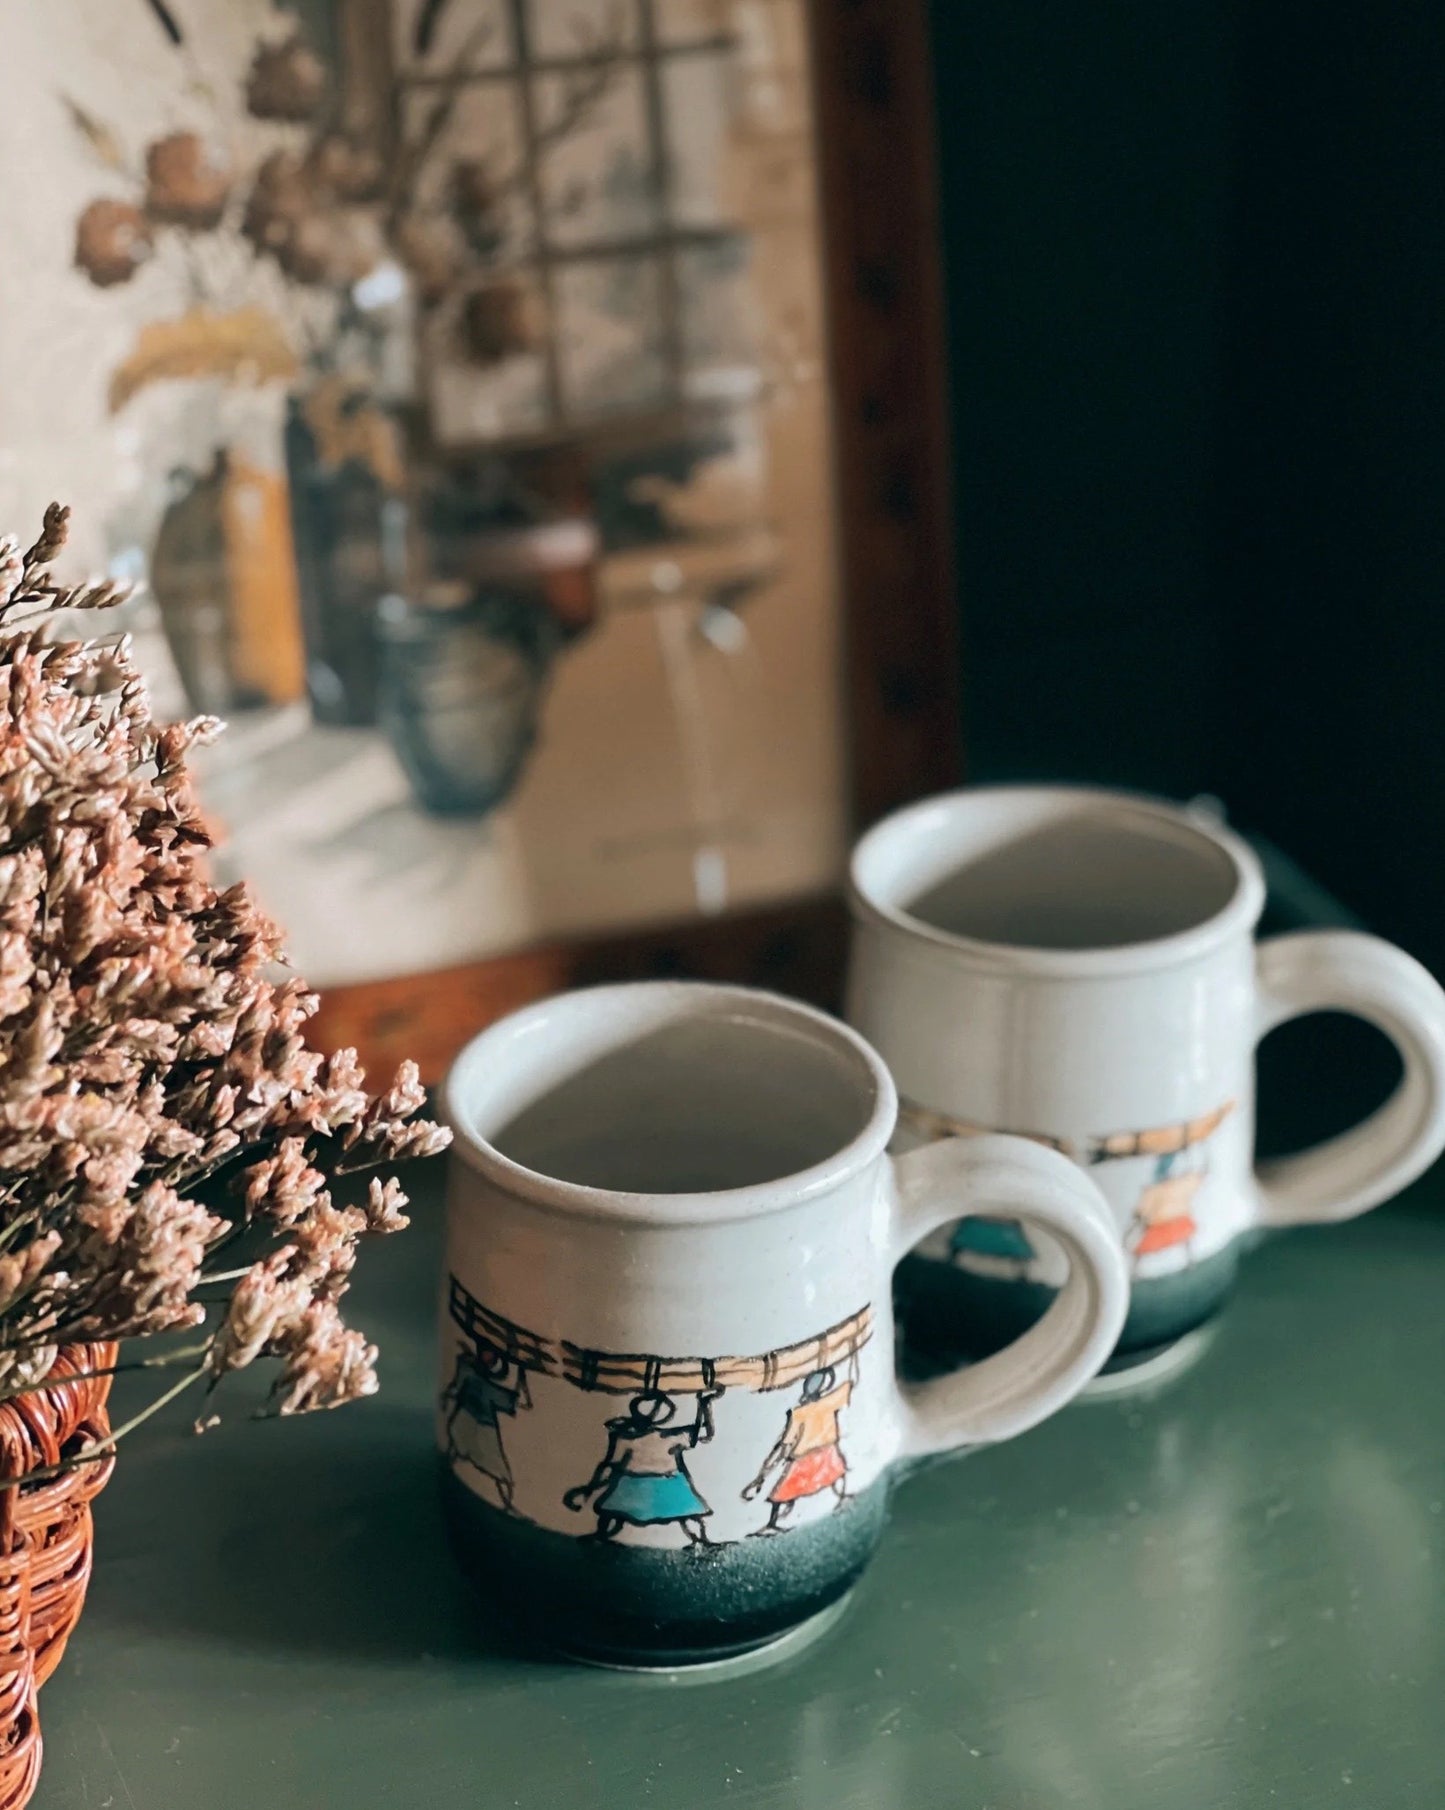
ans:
(152, 1049)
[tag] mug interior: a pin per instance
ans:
(1048, 870)
(668, 1090)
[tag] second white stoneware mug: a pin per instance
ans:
(668, 1404)
(1080, 967)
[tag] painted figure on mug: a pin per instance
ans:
(485, 1385)
(809, 1450)
(1163, 1216)
(642, 1480)
(992, 1247)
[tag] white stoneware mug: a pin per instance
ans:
(1079, 967)
(668, 1405)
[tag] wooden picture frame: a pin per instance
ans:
(873, 106)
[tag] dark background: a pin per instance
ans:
(1195, 263)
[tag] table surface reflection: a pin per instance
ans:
(1223, 1593)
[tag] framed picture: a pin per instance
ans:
(529, 419)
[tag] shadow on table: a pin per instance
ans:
(273, 1537)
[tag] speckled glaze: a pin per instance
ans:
(628, 1605)
(1079, 967)
(668, 1410)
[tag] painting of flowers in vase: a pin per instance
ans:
(450, 375)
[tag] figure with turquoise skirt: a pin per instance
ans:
(642, 1480)
(991, 1247)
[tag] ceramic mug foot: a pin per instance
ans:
(1139, 1372)
(633, 1607)
(752, 1657)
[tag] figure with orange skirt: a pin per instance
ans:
(1164, 1216)
(1164, 1213)
(808, 1450)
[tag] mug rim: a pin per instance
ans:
(1239, 914)
(668, 1000)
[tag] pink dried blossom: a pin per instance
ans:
(148, 1048)
(325, 1365)
(384, 1206)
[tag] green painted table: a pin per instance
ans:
(1227, 1594)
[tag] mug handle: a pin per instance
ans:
(1347, 971)
(1012, 1178)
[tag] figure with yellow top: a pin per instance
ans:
(808, 1450)
(1164, 1214)
(1163, 1218)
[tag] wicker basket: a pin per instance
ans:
(45, 1546)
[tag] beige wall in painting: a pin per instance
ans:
(60, 338)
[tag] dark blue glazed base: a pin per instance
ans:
(947, 1313)
(638, 1606)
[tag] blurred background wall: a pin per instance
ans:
(1196, 282)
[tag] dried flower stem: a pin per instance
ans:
(162, 1361)
(102, 1448)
